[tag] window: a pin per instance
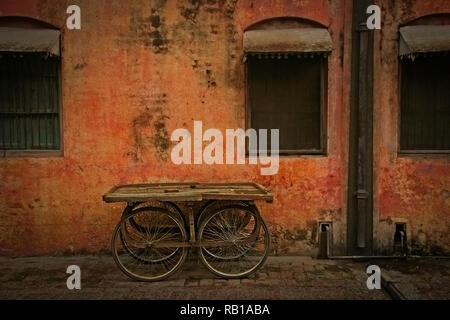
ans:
(29, 101)
(287, 94)
(425, 104)
(29, 89)
(425, 89)
(286, 85)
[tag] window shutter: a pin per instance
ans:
(29, 101)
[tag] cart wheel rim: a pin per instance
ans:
(134, 251)
(247, 242)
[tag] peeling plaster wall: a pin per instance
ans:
(413, 190)
(140, 69)
(136, 71)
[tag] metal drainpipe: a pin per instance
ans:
(360, 216)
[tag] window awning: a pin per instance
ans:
(301, 40)
(30, 40)
(424, 39)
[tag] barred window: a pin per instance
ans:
(287, 94)
(286, 85)
(29, 101)
(29, 87)
(425, 104)
(424, 89)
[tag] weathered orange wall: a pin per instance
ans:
(414, 189)
(136, 71)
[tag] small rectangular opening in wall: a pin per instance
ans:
(400, 243)
(324, 239)
(325, 226)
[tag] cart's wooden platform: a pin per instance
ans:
(187, 192)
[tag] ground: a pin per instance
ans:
(280, 278)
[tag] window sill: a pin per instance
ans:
(31, 153)
(285, 153)
(424, 153)
(297, 153)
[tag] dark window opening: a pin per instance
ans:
(287, 93)
(425, 104)
(29, 101)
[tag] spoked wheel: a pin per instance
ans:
(167, 205)
(236, 241)
(213, 205)
(242, 220)
(144, 244)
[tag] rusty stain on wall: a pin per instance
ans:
(149, 130)
(160, 138)
(150, 30)
(189, 9)
(80, 66)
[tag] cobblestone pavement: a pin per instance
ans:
(280, 278)
(424, 279)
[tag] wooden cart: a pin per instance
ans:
(154, 235)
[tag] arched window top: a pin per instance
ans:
(425, 35)
(285, 23)
(431, 19)
(24, 22)
(19, 34)
(287, 35)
